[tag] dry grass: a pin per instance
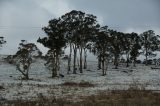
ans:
(124, 98)
(107, 98)
(134, 96)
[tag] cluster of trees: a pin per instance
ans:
(80, 32)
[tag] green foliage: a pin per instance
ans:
(150, 43)
(55, 41)
(79, 30)
(80, 27)
(24, 57)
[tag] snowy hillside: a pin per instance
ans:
(41, 82)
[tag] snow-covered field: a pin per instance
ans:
(41, 84)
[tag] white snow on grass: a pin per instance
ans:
(41, 83)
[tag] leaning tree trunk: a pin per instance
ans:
(24, 71)
(26, 77)
(27, 71)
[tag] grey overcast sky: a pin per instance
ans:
(23, 19)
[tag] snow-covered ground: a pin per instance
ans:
(42, 84)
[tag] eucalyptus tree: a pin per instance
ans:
(79, 28)
(117, 45)
(67, 19)
(135, 47)
(131, 41)
(24, 57)
(135, 52)
(127, 46)
(55, 41)
(102, 47)
(91, 28)
(73, 21)
(150, 43)
(87, 30)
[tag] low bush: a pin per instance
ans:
(80, 84)
(1, 87)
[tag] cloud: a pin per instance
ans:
(55, 7)
(123, 14)
(23, 19)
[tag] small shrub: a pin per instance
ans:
(80, 84)
(1, 87)
(70, 84)
(138, 61)
(85, 84)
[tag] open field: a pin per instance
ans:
(138, 85)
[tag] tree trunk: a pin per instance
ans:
(127, 58)
(69, 60)
(74, 61)
(26, 77)
(54, 70)
(106, 66)
(146, 57)
(146, 47)
(57, 64)
(116, 62)
(134, 62)
(103, 66)
(99, 62)
(54, 74)
(27, 73)
(85, 59)
(80, 62)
